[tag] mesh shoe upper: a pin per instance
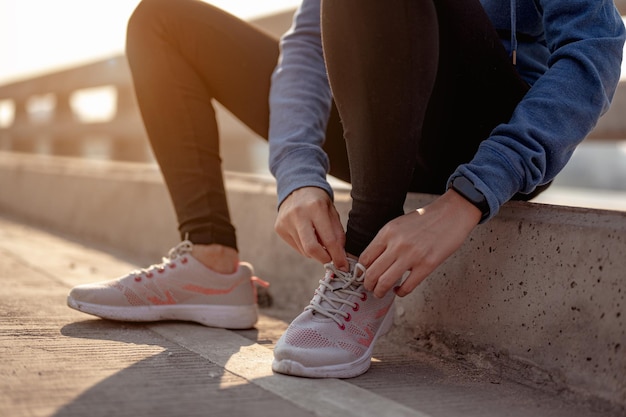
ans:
(179, 281)
(334, 336)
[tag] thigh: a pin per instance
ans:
(212, 54)
(477, 87)
(183, 55)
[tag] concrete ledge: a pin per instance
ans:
(538, 293)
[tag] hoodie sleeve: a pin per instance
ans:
(300, 103)
(585, 39)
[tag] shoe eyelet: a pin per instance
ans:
(356, 307)
(160, 270)
(348, 318)
(149, 275)
(137, 278)
(342, 326)
(184, 260)
(363, 297)
(172, 266)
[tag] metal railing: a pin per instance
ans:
(59, 129)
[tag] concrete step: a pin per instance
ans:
(58, 362)
(535, 295)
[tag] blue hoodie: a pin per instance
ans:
(570, 54)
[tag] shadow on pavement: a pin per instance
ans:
(174, 381)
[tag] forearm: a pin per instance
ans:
(562, 106)
(300, 102)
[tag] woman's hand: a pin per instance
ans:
(417, 242)
(308, 221)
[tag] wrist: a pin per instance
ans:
(466, 189)
(459, 207)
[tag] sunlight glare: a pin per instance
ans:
(47, 35)
(92, 105)
(7, 113)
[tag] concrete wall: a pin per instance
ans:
(536, 294)
(542, 286)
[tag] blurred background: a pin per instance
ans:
(39, 36)
(65, 90)
(65, 87)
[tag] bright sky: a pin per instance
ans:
(39, 35)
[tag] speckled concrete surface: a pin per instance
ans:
(542, 285)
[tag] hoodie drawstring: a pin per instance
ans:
(514, 31)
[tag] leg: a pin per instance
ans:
(183, 54)
(395, 79)
(381, 80)
(416, 97)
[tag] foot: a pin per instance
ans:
(179, 288)
(218, 258)
(335, 334)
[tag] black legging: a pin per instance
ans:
(418, 88)
(182, 55)
(418, 85)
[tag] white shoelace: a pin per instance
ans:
(334, 291)
(182, 249)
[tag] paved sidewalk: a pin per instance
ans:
(58, 362)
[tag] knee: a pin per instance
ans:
(144, 21)
(139, 21)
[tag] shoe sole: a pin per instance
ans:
(226, 317)
(349, 370)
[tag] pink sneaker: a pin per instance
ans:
(180, 288)
(335, 334)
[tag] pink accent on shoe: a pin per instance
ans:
(368, 340)
(210, 291)
(382, 312)
(158, 301)
(260, 282)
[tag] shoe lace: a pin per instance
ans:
(334, 292)
(178, 251)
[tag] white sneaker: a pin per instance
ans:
(180, 288)
(335, 334)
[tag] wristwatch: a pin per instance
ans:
(468, 191)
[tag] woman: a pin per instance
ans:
(479, 101)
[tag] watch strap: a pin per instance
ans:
(467, 190)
